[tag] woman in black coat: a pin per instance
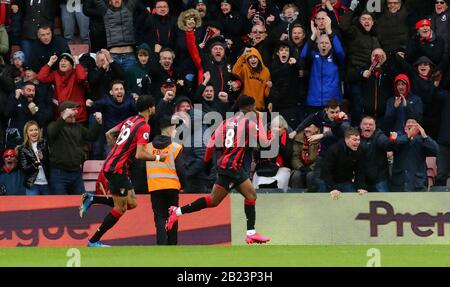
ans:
(34, 160)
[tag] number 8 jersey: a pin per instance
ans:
(236, 136)
(132, 131)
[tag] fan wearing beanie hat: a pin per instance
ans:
(69, 82)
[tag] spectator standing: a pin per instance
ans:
(287, 93)
(105, 71)
(24, 106)
(427, 43)
(159, 26)
(402, 106)
(97, 32)
(361, 41)
(34, 160)
(118, 20)
(343, 166)
(114, 107)
(409, 172)
(71, 12)
(69, 81)
(140, 70)
(375, 144)
(254, 76)
(67, 139)
(392, 27)
(35, 14)
(324, 58)
(46, 45)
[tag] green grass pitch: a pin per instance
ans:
(230, 256)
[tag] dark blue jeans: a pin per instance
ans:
(381, 186)
(65, 182)
(37, 189)
(346, 187)
(125, 60)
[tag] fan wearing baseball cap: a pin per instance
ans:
(11, 177)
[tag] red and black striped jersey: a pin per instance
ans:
(235, 136)
(133, 131)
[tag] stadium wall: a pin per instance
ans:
(375, 218)
(54, 221)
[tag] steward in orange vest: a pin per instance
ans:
(165, 180)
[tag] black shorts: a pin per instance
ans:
(118, 184)
(226, 177)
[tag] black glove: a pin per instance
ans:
(207, 166)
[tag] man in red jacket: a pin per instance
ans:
(69, 81)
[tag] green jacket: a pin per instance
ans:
(136, 73)
(67, 142)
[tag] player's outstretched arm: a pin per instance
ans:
(142, 153)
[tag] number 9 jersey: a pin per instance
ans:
(133, 131)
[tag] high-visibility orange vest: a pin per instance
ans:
(163, 174)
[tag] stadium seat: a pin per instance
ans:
(431, 171)
(91, 170)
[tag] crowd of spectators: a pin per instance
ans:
(361, 88)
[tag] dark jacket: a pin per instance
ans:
(12, 181)
(377, 89)
(6, 88)
(194, 153)
(41, 53)
(97, 32)
(392, 30)
(360, 44)
(161, 142)
(444, 132)
(113, 112)
(29, 162)
(67, 141)
(434, 49)
(409, 172)
(215, 105)
(341, 164)
(35, 14)
(395, 118)
(287, 90)
(428, 93)
(159, 30)
(17, 114)
(100, 80)
(374, 149)
(118, 23)
(137, 72)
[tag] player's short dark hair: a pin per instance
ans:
(244, 101)
(144, 102)
(332, 104)
(351, 131)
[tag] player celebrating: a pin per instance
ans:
(131, 141)
(235, 134)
